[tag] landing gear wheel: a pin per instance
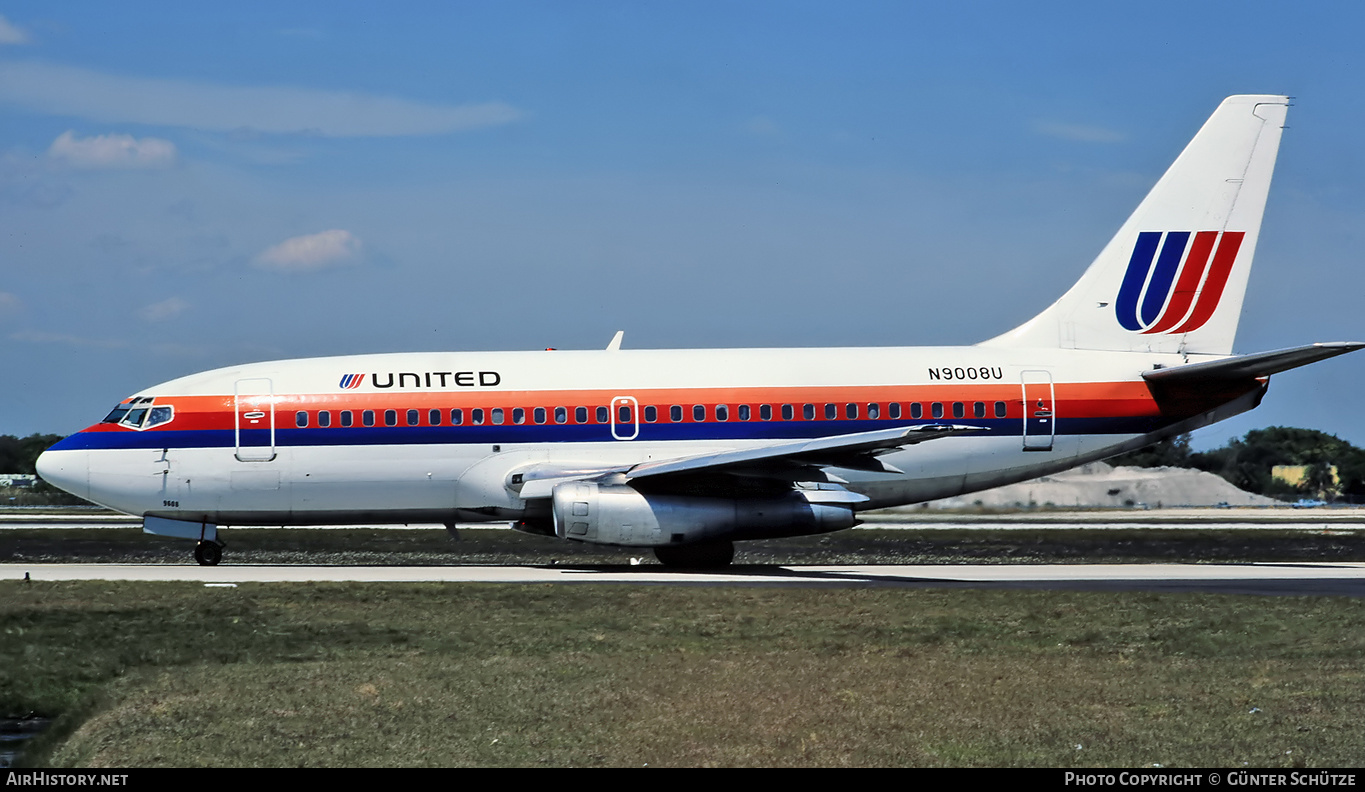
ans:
(208, 553)
(704, 555)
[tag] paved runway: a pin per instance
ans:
(1331, 579)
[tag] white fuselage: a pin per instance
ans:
(248, 445)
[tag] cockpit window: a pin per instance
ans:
(117, 415)
(120, 413)
(139, 414)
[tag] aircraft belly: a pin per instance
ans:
(981, 463)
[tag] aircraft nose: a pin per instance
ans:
(67, 469)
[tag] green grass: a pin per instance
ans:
(459, 675)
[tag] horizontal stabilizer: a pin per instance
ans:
(1261, 364)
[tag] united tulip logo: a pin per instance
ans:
(1177, 289)
(352, 381)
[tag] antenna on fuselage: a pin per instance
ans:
(615, 345)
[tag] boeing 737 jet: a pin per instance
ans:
(688, 451)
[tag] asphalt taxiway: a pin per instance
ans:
(1299, 579)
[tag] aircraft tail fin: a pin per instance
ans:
(1172, 279)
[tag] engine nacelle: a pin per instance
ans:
(620, 515)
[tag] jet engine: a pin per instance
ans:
(617, 514)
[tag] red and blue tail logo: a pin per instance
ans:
(1177, 290)
(352, 381)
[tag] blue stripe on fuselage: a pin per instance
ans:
(522, 434)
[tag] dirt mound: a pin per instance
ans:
(1101, 485)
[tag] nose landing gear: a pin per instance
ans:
(208, 553)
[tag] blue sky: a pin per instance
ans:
(185, 187)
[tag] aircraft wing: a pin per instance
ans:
(855, 451)
(1262, 364)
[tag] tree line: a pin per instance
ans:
(19, 455)
(1247, 462)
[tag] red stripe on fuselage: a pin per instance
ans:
(1073, 400)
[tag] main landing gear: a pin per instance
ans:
(702, 555)
(208, 553)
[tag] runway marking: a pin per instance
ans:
(1341, 579)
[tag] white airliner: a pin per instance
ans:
(686, 451)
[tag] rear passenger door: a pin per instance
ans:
(1040, 419)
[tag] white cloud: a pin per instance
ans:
(112, 151)
(158, 312)
(1077, 132)
(10, 34)
(68, 90)
(312, 252)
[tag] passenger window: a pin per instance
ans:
(390, 417)
(434, 417)
(831, 412)
(788, 412)
(651, 413)
(539, 415)
(937, 409)
(916, 410)
(959, 411)
(623, 414)
(765, 412)
(603, 415)
(979, 409)
(518, 415)
(675, 413)
(456, 417)
(346, 419)
(414, 417)
(743, 412)
(808, 412)
(999, 409)
(561, 415)
(324, 418)
(301, 419)
(851, 412)
(874, 411)
(722, 412)
(476, 416)
(893, 411)
(495, 415)
(699, 412)
(367, 417)
(580, 415)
